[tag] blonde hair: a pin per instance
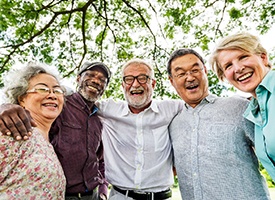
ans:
(241, 41)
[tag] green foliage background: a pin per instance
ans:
(65, 33)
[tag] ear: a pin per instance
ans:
(170, 79)
(20, 99)
(264, 58)
(154, 82)
(205, 69)
(122, 84)
(78, 79)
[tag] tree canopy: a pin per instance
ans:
(65, 33)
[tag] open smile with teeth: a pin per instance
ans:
(190, 87)
(133, 92)
(92, 88)
(247, 75)
(50, 105)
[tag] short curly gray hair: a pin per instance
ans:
(16, 82)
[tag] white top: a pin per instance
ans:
(137, 147)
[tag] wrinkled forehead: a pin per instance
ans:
(135, 69)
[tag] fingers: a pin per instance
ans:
(16, 121)
(16, 128)
(3, 128)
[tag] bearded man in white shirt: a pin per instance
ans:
(137, 148)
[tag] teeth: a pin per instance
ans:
(136, 92)
(191, 86)
(91, 87)
(50, 104)
(245, 76)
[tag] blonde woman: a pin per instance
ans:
(243, 61)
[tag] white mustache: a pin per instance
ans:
(135, 89)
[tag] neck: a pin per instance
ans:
(43, 125)
(44, 130)
(90, 104)
(137, 110)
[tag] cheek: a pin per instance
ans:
(147, 87)
(228, 74)
(125, 87)
(61, 101)
(33, 107)
(178, 85)
(32, 101)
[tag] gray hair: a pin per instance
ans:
(138, 61)
(17, 81)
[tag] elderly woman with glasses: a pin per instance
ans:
(30, 169)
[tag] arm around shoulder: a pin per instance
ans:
(15, 121)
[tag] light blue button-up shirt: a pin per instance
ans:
(261, 112)
(213, 152)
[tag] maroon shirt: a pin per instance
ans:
(76, 138)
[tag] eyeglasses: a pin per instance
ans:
(194, 72)
(45, 91)
(140, 78)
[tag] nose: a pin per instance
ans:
(52, 95)
(189, 76)
(96, 80)
(238, 68)
(135, 83)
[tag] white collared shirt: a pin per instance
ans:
(137, 147)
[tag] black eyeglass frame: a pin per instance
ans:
(139, 79)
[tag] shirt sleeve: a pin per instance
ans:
(103, 187)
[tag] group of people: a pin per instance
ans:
(133, 145)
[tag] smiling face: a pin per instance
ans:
(189, 78)
(92, 83)
(138, 95)
(243, 70)
(43, 106)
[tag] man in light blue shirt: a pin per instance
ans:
(212, 142)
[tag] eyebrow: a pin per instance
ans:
(46, 85)
(178, 68)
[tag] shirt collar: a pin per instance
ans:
(153, 107)
(266, 83)
(208, 99)
(79, 97)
